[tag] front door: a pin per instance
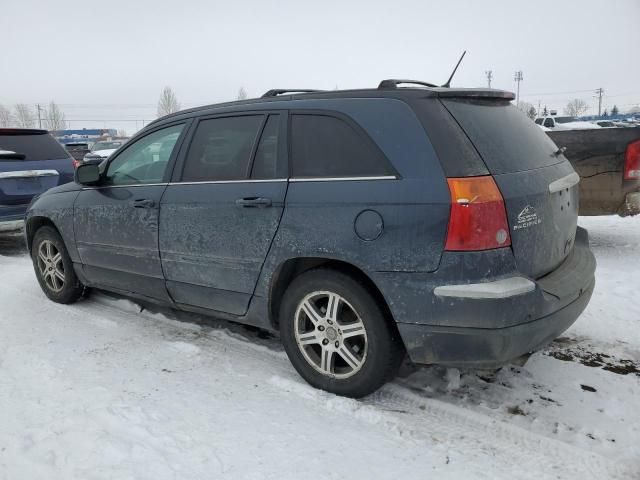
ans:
(116, 222)
(219, 217)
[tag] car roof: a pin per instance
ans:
(281, 96)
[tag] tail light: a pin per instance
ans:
(478, 218)
(632, 161)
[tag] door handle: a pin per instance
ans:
(143, 203)
(252, 202)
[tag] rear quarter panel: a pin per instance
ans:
(320, 216)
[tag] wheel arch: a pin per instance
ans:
(288, 270)
(33, 224)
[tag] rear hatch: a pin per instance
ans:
(31, 162)
(538, 184)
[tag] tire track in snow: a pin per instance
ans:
(537, 455)
(468, 433)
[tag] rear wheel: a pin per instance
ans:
(53, 267)
(336, 334)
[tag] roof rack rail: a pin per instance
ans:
(394, 82)
(279, 91)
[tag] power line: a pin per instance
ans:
(518, 78)
(600, 92)
(489, 74)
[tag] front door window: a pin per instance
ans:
(145, 160)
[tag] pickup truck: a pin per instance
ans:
(608, 162)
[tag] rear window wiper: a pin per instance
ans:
(9, 155)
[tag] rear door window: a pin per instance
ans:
(327, 146)
(36, 146)
(548, 123)
(507, 140)
(221, 149)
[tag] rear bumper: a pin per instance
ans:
(631, 205)
(454, 317)
(490, 347)
(9, 213)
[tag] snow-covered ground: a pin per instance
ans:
(104, 389)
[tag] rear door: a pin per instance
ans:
(539, 186)
(220, 214)
(31, 162)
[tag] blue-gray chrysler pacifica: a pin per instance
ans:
(361, 225)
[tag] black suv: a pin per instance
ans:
(361, 225)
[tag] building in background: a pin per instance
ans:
(89, 135)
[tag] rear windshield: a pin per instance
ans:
(35, 146)
(506, 138)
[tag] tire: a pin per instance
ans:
(337, 335)
(54, 268)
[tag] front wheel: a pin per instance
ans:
(54, 268)
(336, 334)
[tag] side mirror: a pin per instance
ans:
(87, 174)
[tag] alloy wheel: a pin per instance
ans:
(330, 334)
(51, 266)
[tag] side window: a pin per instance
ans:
(539, 121)
(548, 122)
(324, 146)
(265, 163)
(221, 149)
(145, 160)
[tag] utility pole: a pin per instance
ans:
(38, 107)
(539, 108)
(489, 74)
(518, 78)
(600, 92)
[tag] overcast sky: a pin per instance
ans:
(107, 62)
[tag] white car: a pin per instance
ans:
(555, 122)
(102, 150)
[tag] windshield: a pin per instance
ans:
(105, 146)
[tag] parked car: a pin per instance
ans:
(31, 162)
(358, 224)
(77, 150)
(554, 122)
(608, 162)
(102, 150)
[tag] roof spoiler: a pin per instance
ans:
(476, 93)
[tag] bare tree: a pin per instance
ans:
(55, 120)
(576, 107)
(168, 102)
(635, 109)
(24, 116)
(242, 94)
(528, 109)
(6, 119)
(122, 133)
